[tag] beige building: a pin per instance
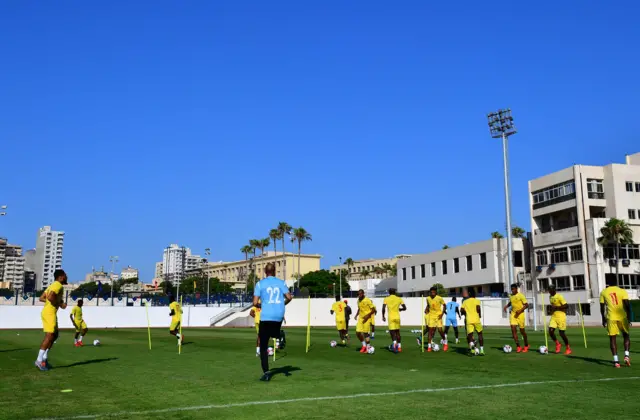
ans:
(368, 265)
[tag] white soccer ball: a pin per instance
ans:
(476, 351)
(371, 350)
(333, 343)
(435, 347)
(507, 348)
(96, 342)
(543, 350)
(270, 351)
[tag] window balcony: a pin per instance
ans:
(541, 239)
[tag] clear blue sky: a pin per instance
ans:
(132, 125)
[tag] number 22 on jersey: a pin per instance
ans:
(274, 295)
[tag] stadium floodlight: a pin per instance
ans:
(113, 260)
(501, 126)
(207, 252)
(340, 279)
(3, 207)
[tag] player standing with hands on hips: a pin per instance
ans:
(270, 295)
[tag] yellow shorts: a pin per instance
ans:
(394, 324)
(477, 327)
(363, 327)
(519, 320)
(80, 326)
(341, 325)
(617, 327)
(49, 322)
(434, 321)
(175, 323)
(258, 328)
(558, 322)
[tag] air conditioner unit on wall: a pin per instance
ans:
(626, 263)
(612, 263)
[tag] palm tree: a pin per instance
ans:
(246, 250)
(378, 271)
(364, 273)
(496, 235)
(445, 247)
(301, 235)
(518, 232)
(284, 229)
(394, 270)
(254, 244)
(262, 244)
(618, 232)
(274, 235)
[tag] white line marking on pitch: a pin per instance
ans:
(336, 397)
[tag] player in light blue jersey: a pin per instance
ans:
(270, 295)
(453, 313)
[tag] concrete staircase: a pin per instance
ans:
(226, 316)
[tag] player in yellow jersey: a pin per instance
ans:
(395, 305)
(616, 318)
(366, 310)
(433, 314)
(558, 319)
(518, 304)
(255, 313)
(78, 322)
(176, 319)
(338, 309)
(52, 299)
(473, 322)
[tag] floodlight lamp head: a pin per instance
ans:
(501, 123)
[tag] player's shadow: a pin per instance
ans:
(592, 360)
(284, 370)
(462, 350)
(88, 362)
(9, 350)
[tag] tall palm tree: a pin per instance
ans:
(378, 271)
(301, 235)
(518, 232)
(262, 244)
(246, 250)
(496, 235)
(284, 229)
(274, 235)
(364, 273)
(394, 270)
(254, 244)
(618, 232)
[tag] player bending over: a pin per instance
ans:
(338, 308)
(395, 305)
(366, 311)
(453, 313)
(78, 322)
(518, 304)
(255, 313)
(616, 319)
(52, 299)
(176, 319)
(473, 321)
(558, 319)
(434, 311)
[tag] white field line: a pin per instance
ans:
(335, 397)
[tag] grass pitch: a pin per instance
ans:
(217, 375)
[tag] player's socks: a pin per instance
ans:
(41, 356)
(258, 351)
(373, 335)
(457, 341)
(80, 338)
(45, 356)
(626, 353)
(615, 358)
(482, 350)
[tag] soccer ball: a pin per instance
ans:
(476, 351)
(507, 348)
(435, 347)
(543, 350)
(96, 342)
(270, 351)
(371, 350)
(333, 343)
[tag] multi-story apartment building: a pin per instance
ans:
(48, 258)
(568, 209)
(481, 265)
(3, 251)
(368, 266)
(13, 271)
(129, 273)
(176, 261)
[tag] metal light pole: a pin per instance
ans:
(207, 252)
(340, 278)
(501, 126)
(113, 259)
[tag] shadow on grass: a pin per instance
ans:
(87, 362)
(10, 350)
(592, 360)
(284, 370)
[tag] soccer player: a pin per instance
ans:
(52, 299)
(78, 322)
(176, 319)
(347, 316)
(472, 312)
(271, 295)
(338, 308)
(434, 311)
(366, 311)
(518, 304)
(616, 319)
(558, 319)
(453, 313)
(255, 313)
(395, 305)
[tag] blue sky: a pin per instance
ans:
(132, 125)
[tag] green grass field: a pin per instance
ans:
(217, 375)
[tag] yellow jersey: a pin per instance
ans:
(365, 307)
(77, 314)
(612, 297)
(177, 310)
(435, 306)
(556, 301)
(56, 289)
(256, 313)
(393, 303)
(517, 302)
(338, 311)
(470, 307)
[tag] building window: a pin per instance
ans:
(576, 253)
(637, 186)
(529, 286)
(629, 281)
(595, 188)
(456, 265)
(562, 283)
(423, 270)
(543, 284)
(629, 186)
(554, 194)
(517, 259)
(559, 255)
(444, 267)
(483, 261)
(627, 252)
(541, 258)
(632, 214)
(578, 283)
(404, 273)
(469, 263)
(433, 269)
(413, 272)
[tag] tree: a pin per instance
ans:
(349, 262)
(364, 274)
(441, 290)
(322, 281)
(284, 229)
(394, 270)
(274, 235)
(246, 250)
(445, 247)
(262, 244)
(496, 235)
(301, 235)
(518, 232)
(254, 244)
(617, 232)
(378, 271)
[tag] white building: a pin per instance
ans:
(568, 209)
(482, 265)
(13, 270)
(129, 273)
(176, 261)
(49, 246)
